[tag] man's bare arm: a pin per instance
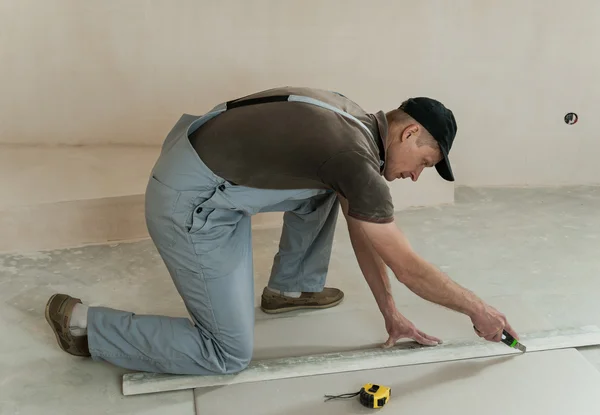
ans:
(421, 277)
(372, 266)
(374, 270)
(429, 283)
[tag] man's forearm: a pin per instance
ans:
(374, 270)
(418, 275)
(433, 285)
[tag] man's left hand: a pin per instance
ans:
(399, 327)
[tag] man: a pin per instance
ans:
(301, 151)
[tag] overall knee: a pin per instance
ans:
(219, 356)
(238, 358)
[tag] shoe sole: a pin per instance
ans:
(301, 307)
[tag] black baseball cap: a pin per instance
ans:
(439, 122)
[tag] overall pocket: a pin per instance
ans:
(215, 228)
(159, 205)
(198, 218)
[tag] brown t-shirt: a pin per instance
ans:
(293, 145)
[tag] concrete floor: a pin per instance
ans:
(532, 253)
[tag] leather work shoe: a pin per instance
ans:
(273, 302)
(58, 315)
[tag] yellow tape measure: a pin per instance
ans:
(370, 395)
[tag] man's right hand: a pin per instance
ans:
(489, 324)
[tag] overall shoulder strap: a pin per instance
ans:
(294, 98)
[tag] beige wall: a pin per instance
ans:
(514, 70)
(112, 71)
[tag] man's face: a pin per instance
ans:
(406, 159)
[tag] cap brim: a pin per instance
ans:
(443, 167)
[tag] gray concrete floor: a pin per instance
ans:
(529, 252)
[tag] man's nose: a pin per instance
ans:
(415, 175)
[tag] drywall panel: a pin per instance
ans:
(63, 196)
(31, 175)
(550, 383)
(406, 354)
(72, 223)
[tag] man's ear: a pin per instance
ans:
(408, 132)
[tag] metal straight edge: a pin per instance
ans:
(404, 354)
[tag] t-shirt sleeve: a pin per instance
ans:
(356, 177)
